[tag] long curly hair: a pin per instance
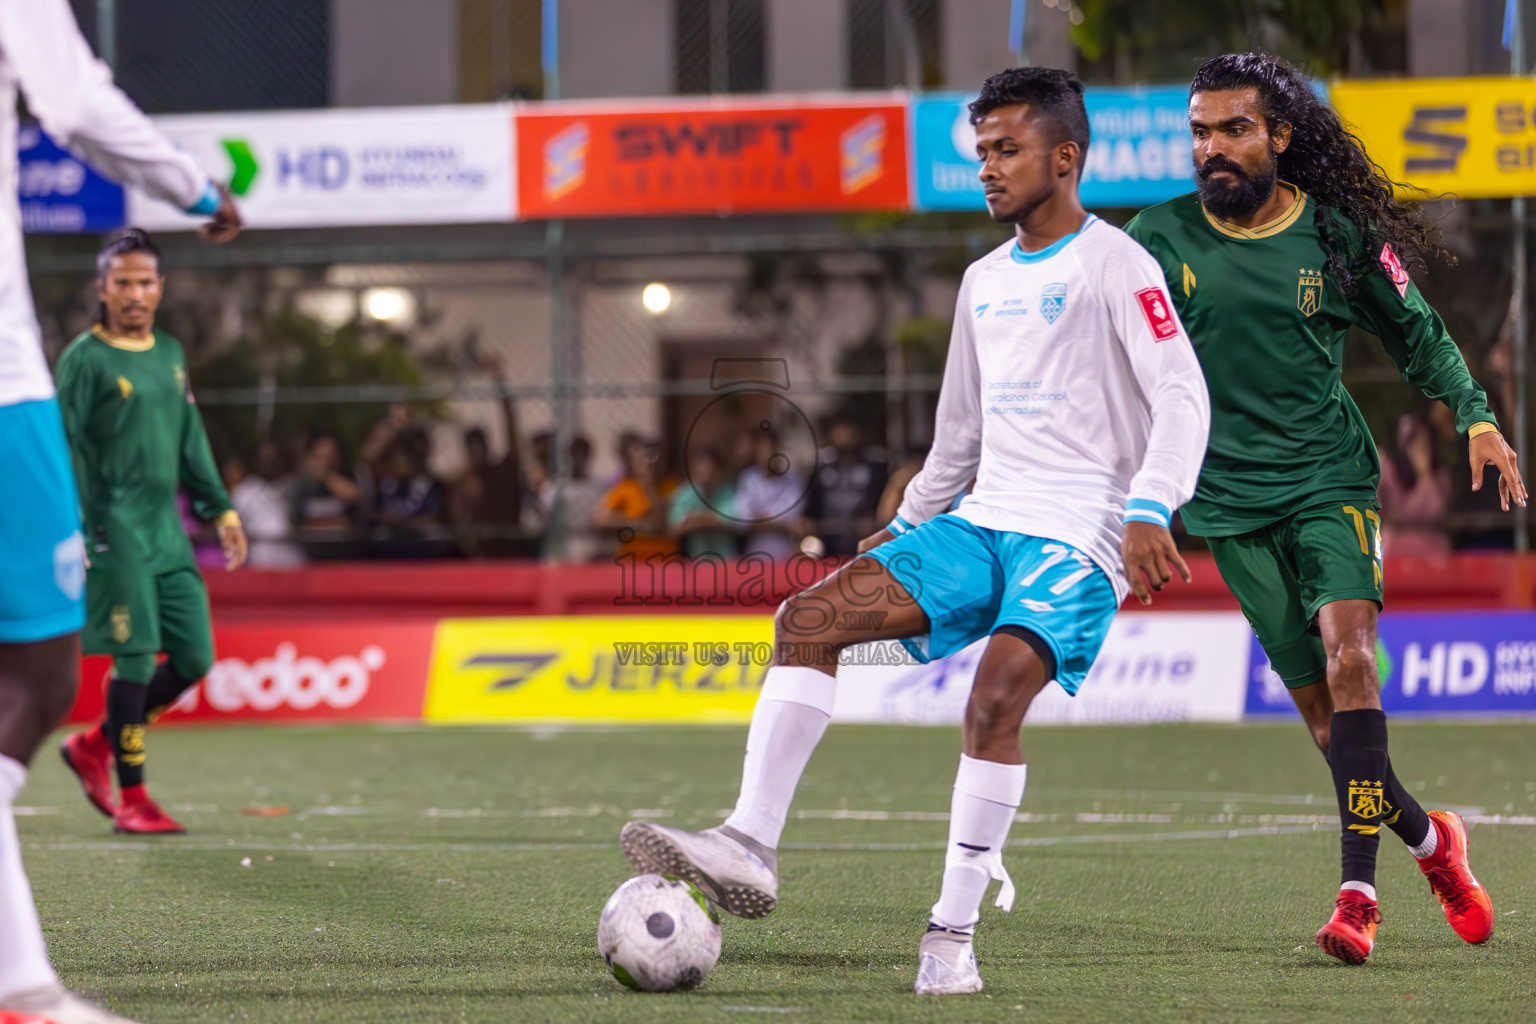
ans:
(1328, 162)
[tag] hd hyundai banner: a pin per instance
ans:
(712, 157)
(1434, 664)
(333, 168)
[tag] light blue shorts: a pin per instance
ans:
(970, 580)
(42, 555)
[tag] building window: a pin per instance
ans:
(173, 56)
(720, 46)
(499, 55)
(894, 44)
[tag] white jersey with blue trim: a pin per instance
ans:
(71, 93)
(1071, 394)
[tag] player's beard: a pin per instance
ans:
(1239, 198)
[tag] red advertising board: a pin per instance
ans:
(347, 671)
(720, 157)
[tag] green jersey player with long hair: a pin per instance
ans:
(1293, 237)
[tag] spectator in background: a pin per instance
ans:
(568, 506)
(488, 499)
(1415, 493)
(769, 493)
(408, 502)
(324, 499)
(636, 506)
(701, 519)
(261, 498)
(846, 492)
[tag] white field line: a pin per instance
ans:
(232, 846)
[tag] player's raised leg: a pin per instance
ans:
(736, 864)
(1437, 839)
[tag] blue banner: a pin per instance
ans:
(60, 194)
(1435, 663)
(1140, 152)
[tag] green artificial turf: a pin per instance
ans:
(457, 874)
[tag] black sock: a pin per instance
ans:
(165, 687)
(1357, 755)
(125, 728)
(1402, 813)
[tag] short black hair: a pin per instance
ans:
(1055, 93)
(122, 242)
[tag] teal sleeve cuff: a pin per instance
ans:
(207, 203)
(899, 526)
(1144, 510)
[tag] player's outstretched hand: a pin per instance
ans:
(874, 540)
(1490, 449)
(1150, 558)
(232, 540)
(226, 222)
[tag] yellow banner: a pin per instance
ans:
(617, 668)
(1471, 137)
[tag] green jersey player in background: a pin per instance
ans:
(1292, 238)
(136, 437)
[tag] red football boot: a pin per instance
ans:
(1351, 932)
(1467, 905)
(89, 755)
(139, 815)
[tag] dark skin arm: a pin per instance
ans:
(1490, 449)
(1151, 558)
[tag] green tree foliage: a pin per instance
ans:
(1165, 40)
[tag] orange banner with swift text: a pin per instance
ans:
(719, 157)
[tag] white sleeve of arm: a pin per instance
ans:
(1164, 364)
(956, 451)
(72, 94)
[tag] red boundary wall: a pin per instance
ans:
(443, 589)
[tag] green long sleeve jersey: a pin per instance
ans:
(136, 436)
(1268, 324)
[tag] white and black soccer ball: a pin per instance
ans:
(659, 933)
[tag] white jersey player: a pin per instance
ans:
(43, 55)
(1073, 397)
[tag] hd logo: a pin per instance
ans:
(1053, 301)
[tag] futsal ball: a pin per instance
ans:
(658, 933)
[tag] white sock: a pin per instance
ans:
(1430, 844)
(791, 715)
(1362, 887)
(986, 796)
(23, 957)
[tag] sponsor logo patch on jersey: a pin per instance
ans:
(1309, 292)
(1394, 268)
(1159, 314)
(1053, 301)
(982, 308)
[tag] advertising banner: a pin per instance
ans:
(343, 167)
(61, 194)
(1140, 151)
(715, 157)
(298, 673)
(1472, 137)
(1173, 667)
(615, 668)
(1434, 664)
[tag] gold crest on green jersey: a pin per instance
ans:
(1309, 292)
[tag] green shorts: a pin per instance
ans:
(133, 616)
(1283, 573)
